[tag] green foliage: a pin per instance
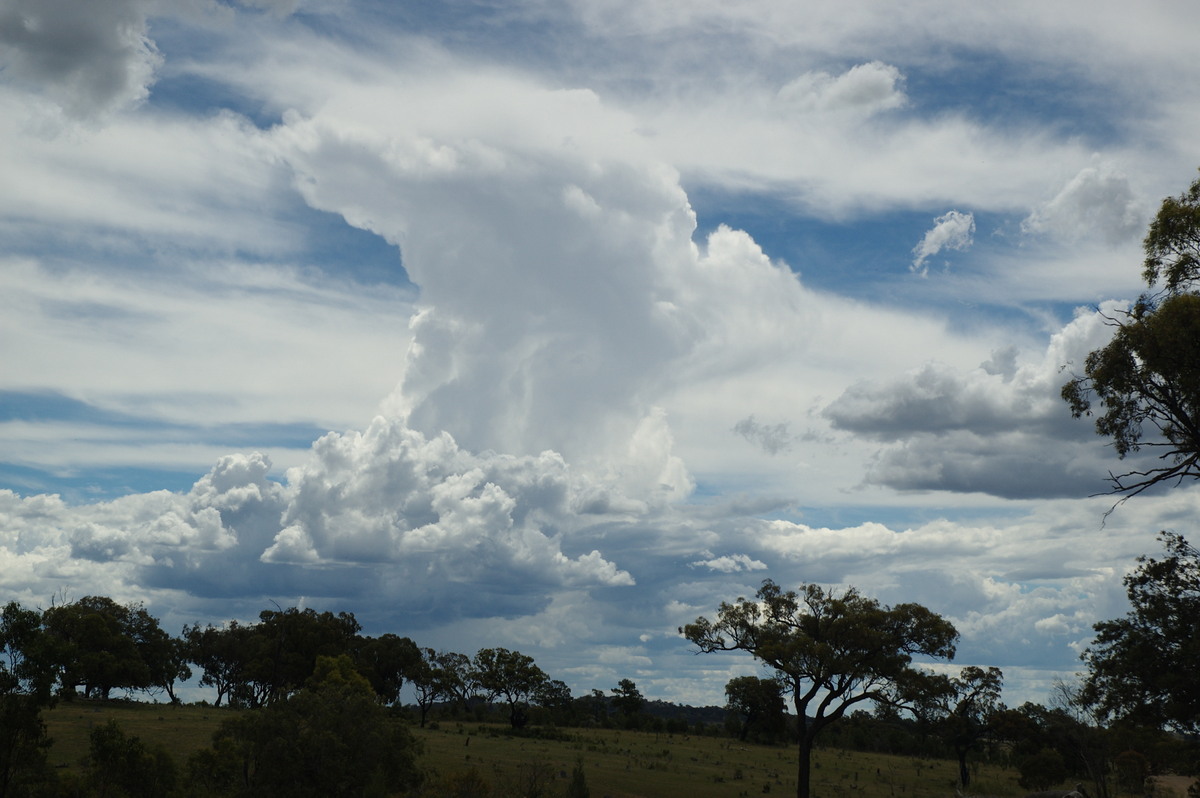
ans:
(961, 712)
(759, 708)
(578, 788)
(23, 744)
(1043, 770)
(510, 675)
(1148, 375)
(387, 662)
(120, 766)
(1141, 668)
(331, 738)
(102, 645)
(628, 701)
(223, 654)
(440, 676)
(833, 652)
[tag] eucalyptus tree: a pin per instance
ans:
(1146, 379)
(511, 675)
(832, 651)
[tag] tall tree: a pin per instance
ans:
(103, 645)
(222, 654)
(832, 651)
(1142, 668)
(26, 678)
(440, 676)
(628, 701)
(512, 676)
(387, 662)
(290, 642)
(1147, 378)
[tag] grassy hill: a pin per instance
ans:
(619, 764)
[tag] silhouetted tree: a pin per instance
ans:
(759, 706)
(832, 651)
(961, 712)
(103, 645)
(387, 661)
(510, 675)
(628, 701)
(1141, 668)
(1148, 376)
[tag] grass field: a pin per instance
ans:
(619, 764)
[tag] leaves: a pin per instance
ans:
(1146, 380)
(1142, 666)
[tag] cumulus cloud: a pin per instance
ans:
(430, 509)
(1000, 429)
(951, 230)
(732, 563)
(1098, 202)
(865, 88)
(90, 59)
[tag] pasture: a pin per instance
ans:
(618, 764)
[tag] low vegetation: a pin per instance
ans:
(541, 761)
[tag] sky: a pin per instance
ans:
(553, 325)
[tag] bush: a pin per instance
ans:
(1043, 770)
(121, 766)
(330, 739)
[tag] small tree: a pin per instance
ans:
(832, 651)
(961, 713)
(118, 764)
(577, 787)
(331, 738)
(1042, 771)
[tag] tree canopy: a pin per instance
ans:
(832, 651)
(1146, 380)
(1142, 668)
(961, 712)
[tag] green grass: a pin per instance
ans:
(181, 729)
(618, 764)
(623, 763)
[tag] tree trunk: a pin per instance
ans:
(804, 766)
(964, 773)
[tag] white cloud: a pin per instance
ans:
(732, 563)
(430, 509)
(866, 88)
(1098, 202)
(951, 230)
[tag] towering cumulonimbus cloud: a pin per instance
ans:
(551, 274)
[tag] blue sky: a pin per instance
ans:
(552, 326)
